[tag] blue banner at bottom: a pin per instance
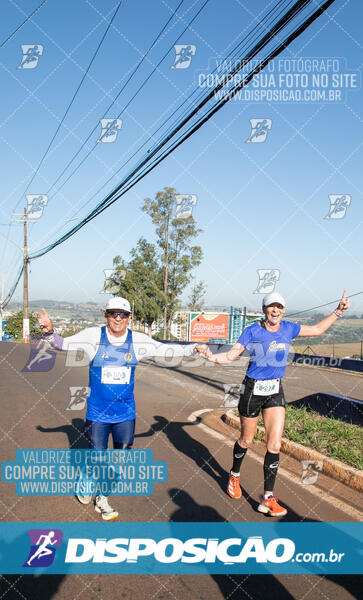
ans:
(253, 548)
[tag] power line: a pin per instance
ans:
(125, 107)
(129, 102)
(150, 152)
(71, 102)
(23, 23)
(322, 305)
(60, 124)
(119, 93)
(112, 198)
(12, 290)
(117, 193)
(115, 99)
(1, 45)
(132, 178)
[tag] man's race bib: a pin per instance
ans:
(266, 387)
(116, 375)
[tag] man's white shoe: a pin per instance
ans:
(83, 498)
(102, 506)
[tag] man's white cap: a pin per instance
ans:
(118, 304)
(273, 297)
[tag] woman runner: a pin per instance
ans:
(268, 341)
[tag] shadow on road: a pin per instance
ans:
(30, 586)
(262, 586)
(184, 443)
(212, 381)
(258, 587)
(195, 450)
(351, 583)
(73, 431)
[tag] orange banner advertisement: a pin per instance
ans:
(204, 326)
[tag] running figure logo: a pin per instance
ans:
(35, 204)
(267, 280)
(183, 206)
(259, 130)
(183, 55)
(110, 285)
(310, 471)
(79, 397)
(109, 130)
(31, 54)
(338, 206)
(41, 359)
(40, 555)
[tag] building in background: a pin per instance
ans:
(180, 326)
(239, 319)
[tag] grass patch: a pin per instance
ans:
(331, 437)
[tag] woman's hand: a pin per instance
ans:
(344, 303)
(44, 321)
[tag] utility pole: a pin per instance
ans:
(26, 329)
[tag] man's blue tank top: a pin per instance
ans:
(111, 379)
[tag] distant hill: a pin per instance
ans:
(55, 304)
(90, 311)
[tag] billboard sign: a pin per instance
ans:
(206, 325)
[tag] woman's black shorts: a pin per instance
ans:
(250, 405)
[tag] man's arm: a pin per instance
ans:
(86, 340)
(146, 347)
(322, 326)
(224, 358)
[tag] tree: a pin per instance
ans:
(140, 280)
(14, 325)
(196, 298)
(177, 255)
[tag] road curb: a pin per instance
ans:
(334, 468)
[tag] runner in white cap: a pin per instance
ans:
(268, 341)
(113, 351)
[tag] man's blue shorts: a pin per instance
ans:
(98, 434)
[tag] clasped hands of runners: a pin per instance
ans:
(203, 350)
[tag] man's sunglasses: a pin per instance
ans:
(114, 314)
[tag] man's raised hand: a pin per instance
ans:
(44, 321)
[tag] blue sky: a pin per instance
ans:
(260, 205)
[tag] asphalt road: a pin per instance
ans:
(35, 415)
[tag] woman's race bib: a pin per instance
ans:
(266, 387)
